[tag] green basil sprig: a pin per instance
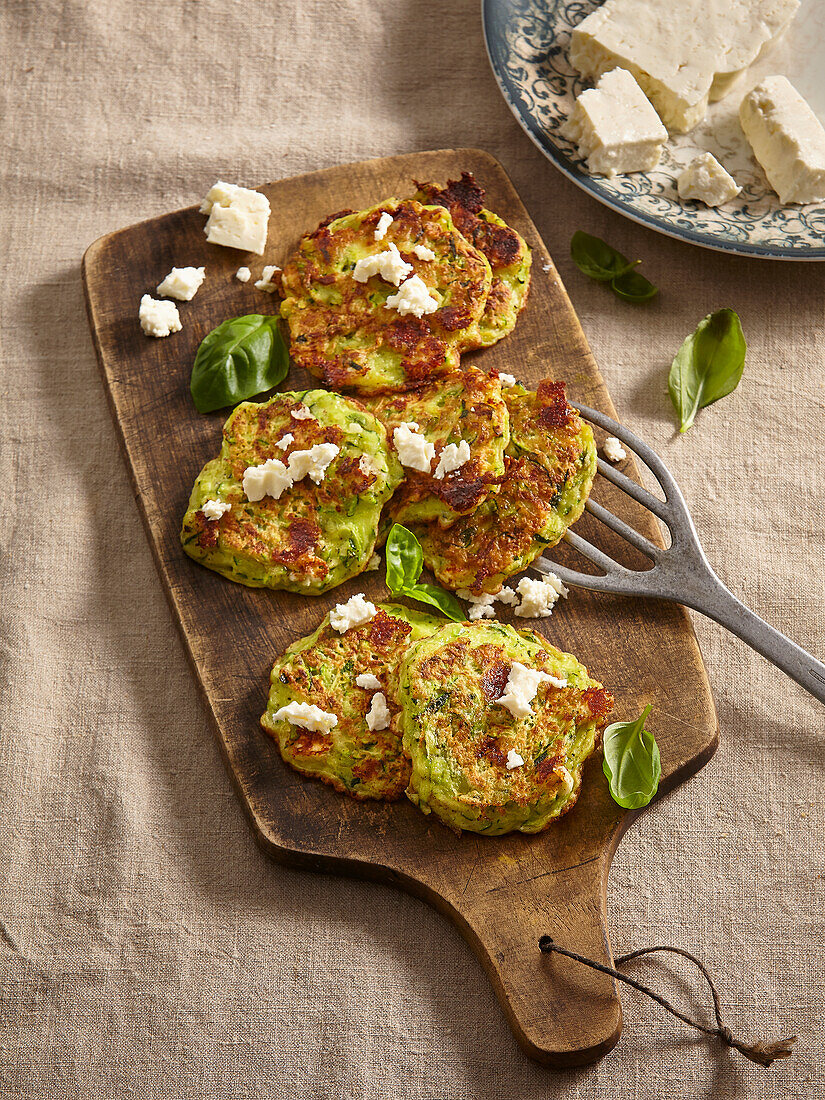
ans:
(708, 365)
(239, 359)
(631, 762)
(405, 560)
(600, 261)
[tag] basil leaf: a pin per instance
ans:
(405, 560)
(597, 259)
(437, 597)
(708, 365)
(239, 359)
(633, 287)
(631, 762)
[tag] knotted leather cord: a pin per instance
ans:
(763, 1053)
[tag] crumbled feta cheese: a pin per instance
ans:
(424, 253)
(506, 380)
(182, 283)
(265, 281)
(314, 462)
(301, 412)
(413, 297)
(389, 265)
(414, 451)
(705, 180)
(373, 563)
(284, 441)
(481, 607)
(378, 716)
(452, 458)
(158, 318)
(384, 222)
(514, 760)
(521, 688)
(243, 274)
(368, 681)
(214, 509)
(267, 480)
(613, 450)
(615, 127)
(546, 268)
(355, 612)
(307, 716)
(539, 597)
(507, 596)
(238, 217)
(787, 139)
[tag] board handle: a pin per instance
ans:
(562, 1014)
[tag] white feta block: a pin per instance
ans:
(453, 457)
(214, 509)
(787, 139)
(355, 612)
(182, 283)
(424, 253)
(388, 264)
(267, 480)
(704, 180)
(367, 681)
(243, 274)
(265, 281)
(307, 716)
(683, 55)
(413, 297)
(521, 688)
(158, 318)
(315, 461)
(613, 450)
(238, 217)
(378, 716)
(615, 127)
(539, 596)
(413, 449)
(514, 759)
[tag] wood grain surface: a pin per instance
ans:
(502, 893)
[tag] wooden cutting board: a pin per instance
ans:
(502, 893)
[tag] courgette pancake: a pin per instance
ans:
(507, 253)
(551, 463)
(322, 671)
(294, 498)
(464, 420)
(498, 724)
(384, 299)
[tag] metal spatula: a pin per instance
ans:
(680, 573)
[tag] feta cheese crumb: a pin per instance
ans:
(389, 265)
(507, 596)
(238, 217)
(514, 760)
(414, 451)
(301, 413)
(355, 612)
(314, 462)
(413, 297)
(384, 222)
(424, 253)
(613, 450)
(539, 597)
(378, 716)
(182, 283)
(521, 688)
(547, 268)
(481, 607)
(307, 716)
(284, 441)
(158, 318)
(506, 380)
(267, 480)
(452, 458)
(705, 180)
(265, 281)
(214, 509)
(368, 681)
(373, 563)
(243, 274)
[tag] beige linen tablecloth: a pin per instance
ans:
(147, 948)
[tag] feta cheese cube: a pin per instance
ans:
(414, 451)
(368, 681)
(704, 180)
(787, 139)
(506, 380)
(238, 217)
(539, 596)
(615, 127)
(158, 318)
(378, 716)
(413, 297)
(182, 283)
(389, 265)
(521, 688)
(682, 55)
(214, 509)
(243, 274)
(284, 441)
(514, 759)
(453, 457)
(315, 461)
(307, 716)
(267, 480)
(265, 281)
(613, 450)
(355, 612)
(424, 253)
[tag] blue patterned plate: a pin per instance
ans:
(527, 43)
